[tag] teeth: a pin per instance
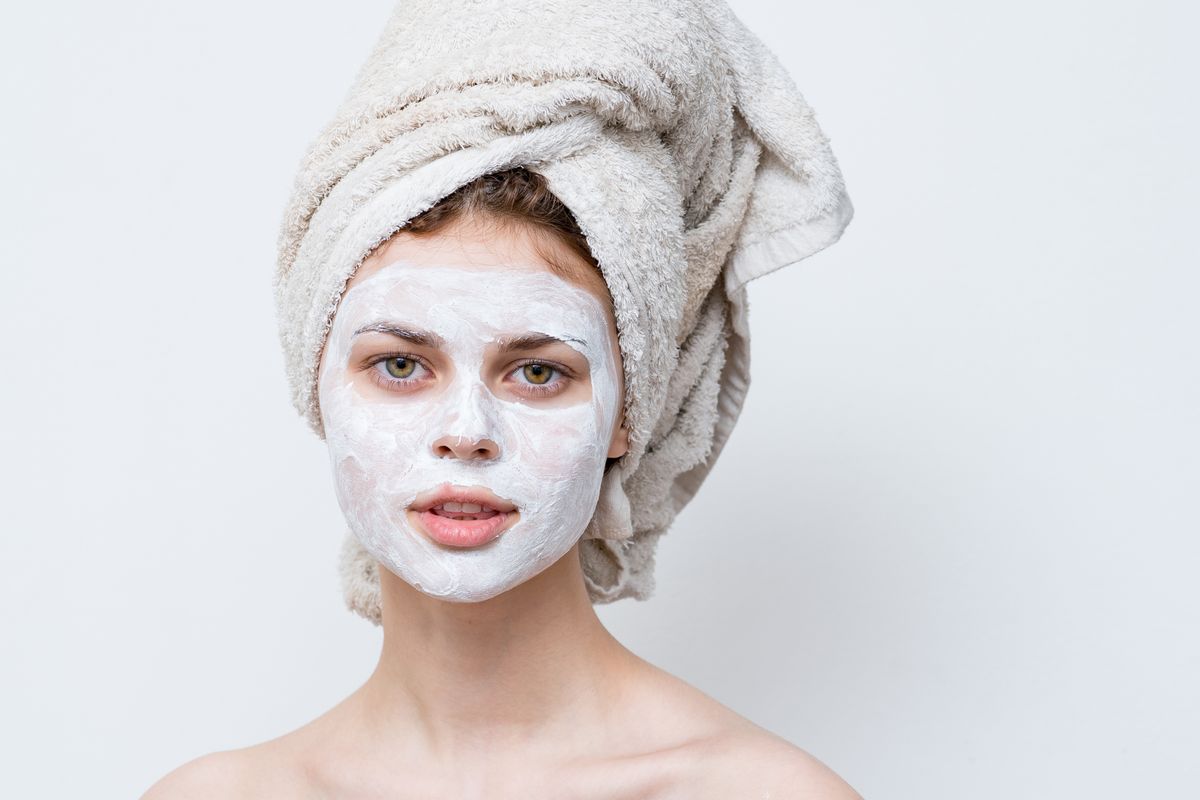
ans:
(463, 508)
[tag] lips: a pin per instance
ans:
(459, 516)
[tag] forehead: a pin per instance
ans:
(471, 242)
(491, 292)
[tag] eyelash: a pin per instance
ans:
(537, 390)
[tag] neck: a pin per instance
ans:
(530, 669)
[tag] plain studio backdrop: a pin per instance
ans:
(951, 548)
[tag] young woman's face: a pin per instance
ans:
(470, 397)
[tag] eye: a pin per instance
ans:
(541, 378)
(397, 371)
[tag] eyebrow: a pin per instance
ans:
(419, 337)
(528, 341)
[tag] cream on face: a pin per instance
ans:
(471, 417)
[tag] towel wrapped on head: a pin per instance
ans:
(681, 145)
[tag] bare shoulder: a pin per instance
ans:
(222, 774)
(727, 755)
(262, 770)
(775, 769)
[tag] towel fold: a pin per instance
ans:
(683, 148)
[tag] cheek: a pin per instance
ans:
(555, 442)
(353, 483)
(383, 437)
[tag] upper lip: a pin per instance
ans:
(447, 493)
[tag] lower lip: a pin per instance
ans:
(463, 532)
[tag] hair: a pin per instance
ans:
(514, 198)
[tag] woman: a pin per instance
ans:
(524, 693)
(522, 374)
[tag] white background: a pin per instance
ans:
(951, 548)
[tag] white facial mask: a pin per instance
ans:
(549, 456)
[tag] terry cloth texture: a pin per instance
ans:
(688, 157)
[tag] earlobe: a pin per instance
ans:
(620, 443)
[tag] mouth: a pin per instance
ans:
(462, 517)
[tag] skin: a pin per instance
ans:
(523, 695)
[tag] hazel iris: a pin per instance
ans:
(400, 367)
(538, 373)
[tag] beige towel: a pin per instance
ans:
(686, 153)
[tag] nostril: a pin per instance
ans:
(466, 448)
(483, 452)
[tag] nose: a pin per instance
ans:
(470, 417)
(465, 447)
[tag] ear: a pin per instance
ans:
(620, 442)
